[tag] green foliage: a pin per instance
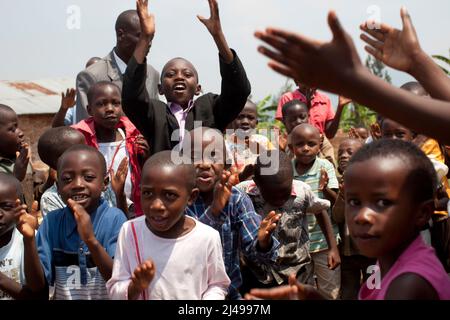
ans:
(358, 115)
(443, 60)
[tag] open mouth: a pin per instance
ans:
(158, 222)
(179, 87)
(80, 198)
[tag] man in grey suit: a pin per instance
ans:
(113, 66)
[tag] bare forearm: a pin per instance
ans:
(417, 113)
(34, 274)
(330, 195)
(121, 200)
(133, 291)
(222, 45)
(325, 225)
(338, 211)
(431, 77)
(333, 125)
(101, 259)
(10, 287)
(58, 119)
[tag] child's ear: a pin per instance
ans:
(193, 196)
(198, 90)
(424, 213)
(89, 110)
(105, 183)
(291, 148)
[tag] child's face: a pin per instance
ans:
(393, 130)
(275, 194)
(179, 82)
(305, 145)
(345, 152)
(164, 197)
(209, 161)
(363, 133)
(247, 119)
(380, 211)
(8, 196)
(106, 107)
(295, 115)
(11, 135)
(81, 178)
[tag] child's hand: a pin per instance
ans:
(68, 100)
(146, 19)
(283, 141)
(294, 291)
(213, 23)
(25, 222)
(143, 148)
(334, 260)
(331, 65)
(35, 212)
(249, 170)
(222, 190)
(395, 48)
(375, 131)
(21, 163)
(266, 228)
(143, 275)
(118, 179)
(353, 134)
(83, 220)
(323, 182)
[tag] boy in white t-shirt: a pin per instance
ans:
(15, 221)
(166, 254)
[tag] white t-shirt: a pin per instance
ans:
(187, 268)
(108, 150)
(11, 261)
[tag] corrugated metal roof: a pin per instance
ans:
(34, 97)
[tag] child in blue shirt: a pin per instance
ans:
(76, 244)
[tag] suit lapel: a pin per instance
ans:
(113, 70)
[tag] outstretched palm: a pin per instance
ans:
(396, 48)
(213, 23)
(146, 19)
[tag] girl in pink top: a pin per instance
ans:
(390, 187)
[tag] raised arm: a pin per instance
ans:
(67, 102)
(135, 99)
(235, 87)
(335, 66)
(400, 49)
(215, 29)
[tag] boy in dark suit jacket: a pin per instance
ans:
(157, 121)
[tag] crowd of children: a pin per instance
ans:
(185, 199)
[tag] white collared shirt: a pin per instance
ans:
(120, 63)
(180, 115)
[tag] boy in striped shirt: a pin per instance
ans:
(319, 174)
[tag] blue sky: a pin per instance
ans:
(36, 42)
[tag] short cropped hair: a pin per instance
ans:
(169, 158)
(9, 179)
(84, 148)
(54, 142)
(422, 179)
